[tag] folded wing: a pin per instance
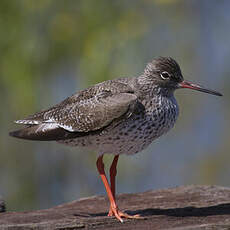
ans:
(78, 114)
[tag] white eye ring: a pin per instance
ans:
(165, 75)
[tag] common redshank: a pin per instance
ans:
(121, 116)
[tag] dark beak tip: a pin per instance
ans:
(220, 94)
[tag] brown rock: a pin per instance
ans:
(190, 207)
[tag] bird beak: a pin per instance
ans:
(190, 85)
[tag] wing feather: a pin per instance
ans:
(88, 110)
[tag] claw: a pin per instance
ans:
(119, 214)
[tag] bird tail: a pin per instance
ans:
(42, 132)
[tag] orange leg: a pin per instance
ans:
(113, 173)
(101, 170)
(113, 206)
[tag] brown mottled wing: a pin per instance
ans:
(94, 113)
(84, 113)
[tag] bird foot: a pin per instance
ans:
(119, 215)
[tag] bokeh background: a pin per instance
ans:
(49, 49)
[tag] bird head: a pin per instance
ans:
(166, 73)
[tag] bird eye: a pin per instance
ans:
(165, 75)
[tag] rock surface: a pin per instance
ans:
(189, 207)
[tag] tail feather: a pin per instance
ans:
(42, 132)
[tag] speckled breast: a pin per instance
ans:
(137, 132)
